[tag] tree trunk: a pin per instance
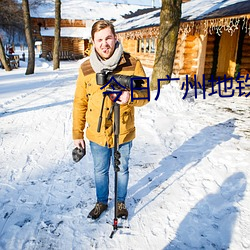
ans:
(3, 57)
(56, 59)
(28, 33)
(168, 34)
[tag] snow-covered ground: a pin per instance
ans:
(189, 170)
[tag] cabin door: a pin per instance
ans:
(227, 54)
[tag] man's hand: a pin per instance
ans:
(79, 151)
(79, 143)
(124, 97)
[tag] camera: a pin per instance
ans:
(78, 153)
(118, 81)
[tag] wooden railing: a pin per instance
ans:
(63, 55)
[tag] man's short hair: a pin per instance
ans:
(101, 24)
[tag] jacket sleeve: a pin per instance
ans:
(80, 106)
(141, 97)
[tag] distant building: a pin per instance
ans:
(74, 36)
(77, 19)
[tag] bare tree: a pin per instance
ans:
(36, 3)
(11, 16)
(56, 59)
(11, 24)
(28, 33)
(168, 34)
(3, 57)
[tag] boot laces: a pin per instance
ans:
(97, 208)
(121, 206)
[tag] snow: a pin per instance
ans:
(84, 33)
(145, 20)
(196, 9)
(189, 170)
(156, 3)
(86, 10)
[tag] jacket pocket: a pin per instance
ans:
(127, 120)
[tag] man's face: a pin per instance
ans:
(104, 42)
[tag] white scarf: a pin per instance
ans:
(98, 64)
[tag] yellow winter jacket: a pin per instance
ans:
(88, 101)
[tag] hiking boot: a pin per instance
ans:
(122, 211)
(97, 210)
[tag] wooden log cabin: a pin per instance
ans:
(215, 43)
(77, 19)
(74, 37)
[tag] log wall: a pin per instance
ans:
(245, 60)
(185, 59)
(209, 56)
(50, 22)
(188, 60)
(131, 46)
(179, 56)
(73, 45)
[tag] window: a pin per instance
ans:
(146, 45)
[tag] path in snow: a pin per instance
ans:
(188, 176)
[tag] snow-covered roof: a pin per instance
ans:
(85, 10)
(192, 10)
(79, 32)
(197, 9)
(145, 20)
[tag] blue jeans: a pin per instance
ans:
(102, 157)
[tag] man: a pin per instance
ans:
(107, 54)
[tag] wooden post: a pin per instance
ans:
(201, 57)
